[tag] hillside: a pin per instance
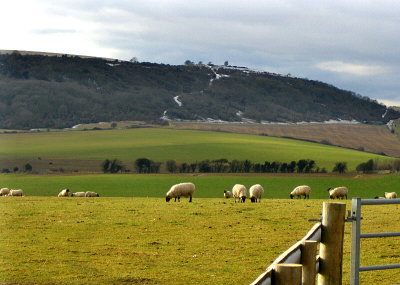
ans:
(84, 151)
(44, 91)
(364, 137)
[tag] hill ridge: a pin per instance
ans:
(41, 91)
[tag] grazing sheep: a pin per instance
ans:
(16, 192)
(64, 193)
(227, 194)
(91, 194)
(78, 194)
(239, 191)
(181, 190)
(255, 192)
(4, 191)
(390, 195)
(338, 192)
(303, 190)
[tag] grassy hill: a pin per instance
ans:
(370, 138)
(69, 150)
(40, 91)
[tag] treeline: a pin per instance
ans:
(372, 166)
(145, 165)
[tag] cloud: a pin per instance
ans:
(339, 42)
(54, 31)
(351, 68)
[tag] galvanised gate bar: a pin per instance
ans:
(356, 236)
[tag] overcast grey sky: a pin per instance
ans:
(351, 44)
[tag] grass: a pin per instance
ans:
(49, 240)
(164, 144)
(207, 186)
(371, 138)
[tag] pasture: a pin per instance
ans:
(66, 149)
(277, 186)
(49, 240)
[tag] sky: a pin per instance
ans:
(351, 44)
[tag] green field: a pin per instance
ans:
(49, 240)
(165, 144)
(277, 186)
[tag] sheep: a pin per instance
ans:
(338, 192)
(181, 190)
(64, 193)
(4, 191)
(390, 195)
(78, 194)
(91, 194)
(227, 194)
(255, 192)
(239, 191)
(16, 192)
(303, 190)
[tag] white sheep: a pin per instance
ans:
(64, 193)
(78, 194)
(338, 192)
(255, 192)
(239, 191)
(91, 194)
(390, 195)
(16, 192)
(227, 194)
(303, 190)
(181, 190)
(4, 191)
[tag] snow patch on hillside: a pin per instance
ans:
(164, 116)
(176, 99)
(217, 76)
(384, 114)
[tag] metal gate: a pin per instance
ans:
(356, 236)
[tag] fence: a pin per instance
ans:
(356, 236)
(300, 263)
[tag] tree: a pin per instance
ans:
(114, 125)
(112, 166)
(226, 63)
(27, 167)
(134, 59)
(188, 62)
(142, 165)
(366, 167)
(301, 164)
(105, 166)
(340, 167)
(171, 166)
(116, 166)
(310, 165)
(247, 165)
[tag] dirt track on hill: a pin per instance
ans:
(370, 138)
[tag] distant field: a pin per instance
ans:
(46, 240)
(162, 145)
(208, 186)
(371, 138)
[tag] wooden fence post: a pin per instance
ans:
(287, 274)
(308, 256)
(331, 246)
